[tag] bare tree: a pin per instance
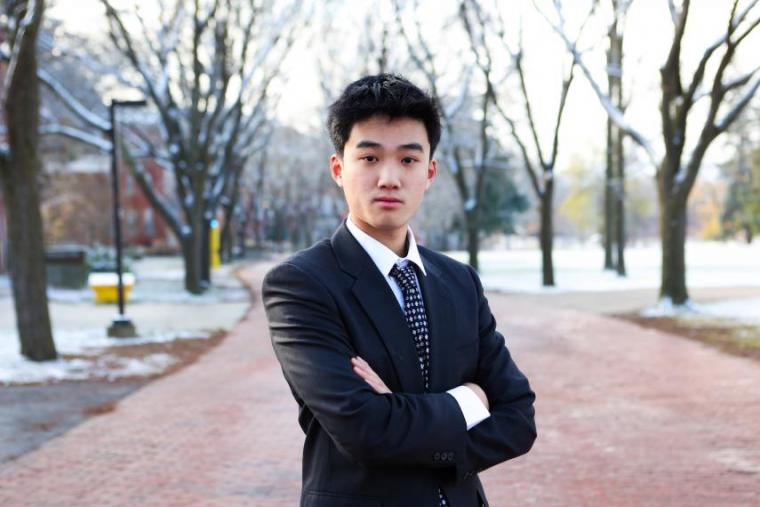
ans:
(539, 163)
(19, 172)
(741, 203)
(614, 188)
(677, 169)
(375, 45)
(467, 155)
(204, 70)
(230, 200)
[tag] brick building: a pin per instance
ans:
(141, 225)
(77, 205)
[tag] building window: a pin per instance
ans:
(131, 222)
(129, 185)
(149, 226)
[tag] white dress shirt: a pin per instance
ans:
(473, 409)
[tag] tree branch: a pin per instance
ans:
(76, 134)
(71, 103)
(615, 114)
(563, 100)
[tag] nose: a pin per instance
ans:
(389, 175)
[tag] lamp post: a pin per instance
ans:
(121, 326)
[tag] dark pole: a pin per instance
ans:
(122, 326)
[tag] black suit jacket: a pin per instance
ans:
(329, 303)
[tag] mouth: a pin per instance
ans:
(388, 200)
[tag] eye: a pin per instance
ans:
(369, 158)
(408, 160)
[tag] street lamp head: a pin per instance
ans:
(128, 103)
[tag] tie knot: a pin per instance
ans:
(404, 276)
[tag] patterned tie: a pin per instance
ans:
(414, 311)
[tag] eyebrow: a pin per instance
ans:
(374, 144)
(412, 146)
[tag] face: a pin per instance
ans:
(384, 172)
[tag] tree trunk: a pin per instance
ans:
(616, 50)
(192, 265)
(609, 209)
(620, 204)
(27, 261)
(244, 226)
(192, 245)
(18, 174)
(673, 238)
(473, 238)
(547, 235)
(227, 234)
(615, 176)
(205, 239)
(609, 173)
(226, 239)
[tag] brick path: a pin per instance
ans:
(626, 417)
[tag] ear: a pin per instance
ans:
(431, 172)
(336, 169)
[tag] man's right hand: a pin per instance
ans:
(365, 371)
(480, 392)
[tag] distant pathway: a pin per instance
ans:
(627, 417)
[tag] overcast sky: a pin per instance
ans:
(648, 31)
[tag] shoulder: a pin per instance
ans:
(449, 267)
(310, 264)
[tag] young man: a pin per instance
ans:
(405, 388)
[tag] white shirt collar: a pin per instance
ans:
(383, 257)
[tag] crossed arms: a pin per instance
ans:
(314, 350)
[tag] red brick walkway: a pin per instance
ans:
(626, 417)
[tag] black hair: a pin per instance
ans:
(386, 95)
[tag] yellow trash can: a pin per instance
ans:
(105, 286)
(214, 244)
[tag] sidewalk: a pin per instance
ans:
(157, 303)
(626, 417)
(159, 307)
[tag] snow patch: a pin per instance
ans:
(666, 308)
(23, 371)
(746, 310)
(578, 268)
(89, 343)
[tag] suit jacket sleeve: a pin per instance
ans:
(511, 429)
(314, 351)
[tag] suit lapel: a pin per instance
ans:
(379, 303)
(440, 313)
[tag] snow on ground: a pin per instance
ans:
(578, 269)
(159, 284)
(746, 310)
(89, 343)
(710, 264)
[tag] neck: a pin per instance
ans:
(395, 239)
(396, 244)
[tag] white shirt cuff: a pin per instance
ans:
(472, 408)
